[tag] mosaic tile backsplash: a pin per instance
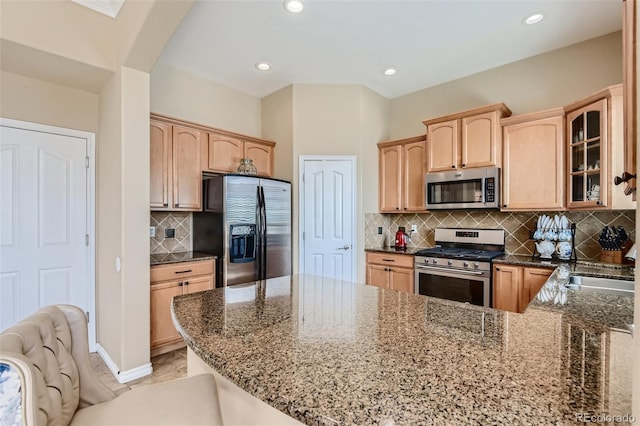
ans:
(181, 222)
(518, 227)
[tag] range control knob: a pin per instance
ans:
(449, 262)
(465, 264)
(476, 265)
(434, 261)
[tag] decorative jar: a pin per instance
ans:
(246, 167)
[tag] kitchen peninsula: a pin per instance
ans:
(326, 351)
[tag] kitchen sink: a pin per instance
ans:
(602, 285)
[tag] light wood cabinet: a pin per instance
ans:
(161, 183)
(175, 176)
(168, 281)
(515, 286)
(595, 149)
(223, 152)
(392, 271)
(467, 139)
(629, 84)
(533, 165)
(401, 175)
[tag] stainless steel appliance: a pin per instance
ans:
(464, 189)
(246, 222)
(459, 266)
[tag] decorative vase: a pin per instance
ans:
(246, 167)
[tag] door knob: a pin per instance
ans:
(344, 247)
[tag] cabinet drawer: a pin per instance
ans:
(181, 270)
(401, 260)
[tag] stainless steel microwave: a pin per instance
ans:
(464, 189)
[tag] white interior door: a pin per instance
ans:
(44, 221)
(327, 217)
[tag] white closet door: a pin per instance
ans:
(44, 254)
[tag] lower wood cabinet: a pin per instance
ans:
(168, 281)
(392, 271)
(515, 286)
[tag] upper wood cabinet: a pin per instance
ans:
(467, 139)
(595, 151)
(161, 183)
(223, 152)
(175, 178)
(533, 145)
(401, 175)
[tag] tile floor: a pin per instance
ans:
(169, 366)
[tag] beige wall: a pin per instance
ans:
(546, 81)
(38, 101)
(337, 120)
(183, 95)
(277, 125)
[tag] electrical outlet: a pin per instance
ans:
(379, 230)
(152, 231)
(414, 228)
(170, 233)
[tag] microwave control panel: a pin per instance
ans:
(490, 190)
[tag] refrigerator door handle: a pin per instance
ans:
(263, 234)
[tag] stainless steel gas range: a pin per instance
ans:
(459, 266)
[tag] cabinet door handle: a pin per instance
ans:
(464, 165)
(165, 205)
(397, 208)
(497, 269)
(386, 269)
(180, 284)
(186, 283)
(599, 202)
(388, 260)
(504, 205)
(453, 166)
(176, 205)
(184, 272)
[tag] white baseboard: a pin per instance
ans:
(123, 376)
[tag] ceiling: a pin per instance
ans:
(352, 42)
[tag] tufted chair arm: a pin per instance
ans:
(92, 389)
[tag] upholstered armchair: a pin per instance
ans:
(48, 353)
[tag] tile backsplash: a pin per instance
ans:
(518, 226)
(181, 222)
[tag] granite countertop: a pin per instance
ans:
(411, 251)
(581, 267)
(187, 256)
(331, 352)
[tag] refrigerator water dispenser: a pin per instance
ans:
(242, 243)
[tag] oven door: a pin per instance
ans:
(461, 286)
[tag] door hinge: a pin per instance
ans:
(303, 235)
(88, 317)
(86, 162)
(86, 239)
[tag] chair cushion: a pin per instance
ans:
(193, 401)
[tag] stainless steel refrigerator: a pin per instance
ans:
(246, 222)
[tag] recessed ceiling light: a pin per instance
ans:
(389, 71)
(263, 66)
(293, 6)
(533, 19)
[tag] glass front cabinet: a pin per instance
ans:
(595, 152)
(587, 155)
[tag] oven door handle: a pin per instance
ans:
(451, 271)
